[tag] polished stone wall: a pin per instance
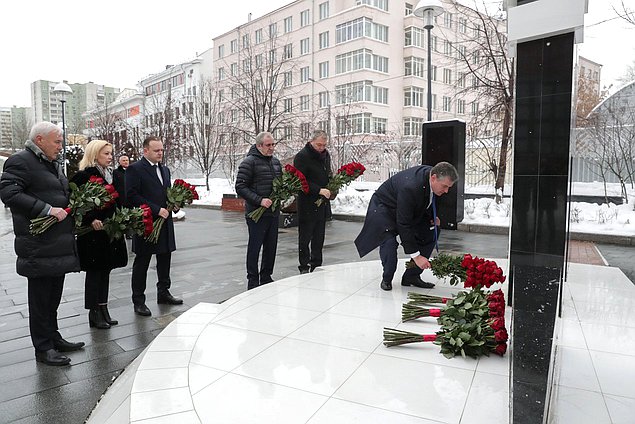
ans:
(539, 215)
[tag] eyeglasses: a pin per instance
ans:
(269, 144)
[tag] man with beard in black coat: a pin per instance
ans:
(33, 185)
(314, 161)
(405, 205)
(254, 183)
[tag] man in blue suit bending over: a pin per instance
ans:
(405, 205)
(147, 181)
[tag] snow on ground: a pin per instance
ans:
(585, 217)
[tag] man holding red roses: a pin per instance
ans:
(254, 183)
(405, 205)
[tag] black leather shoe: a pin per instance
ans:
(142, 310)
(168, 299)
(62, 345)
(417, 282)
(51, 357)
(386, 285)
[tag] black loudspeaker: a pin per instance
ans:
(444, 141)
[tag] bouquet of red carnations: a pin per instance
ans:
(92, 195)
(472, 271)
(291, 182)
(124, 221)
(343, 177)
(180, 194)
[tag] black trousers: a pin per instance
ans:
(44, 294)
(262, 235)
(96, 287)
(388, 255)
(140, 275)
(310, 233)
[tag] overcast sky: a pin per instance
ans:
(119, 42)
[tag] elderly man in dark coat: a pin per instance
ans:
(405, 205)
(33, 185)
(119, 179)
(147, 182)
(254, 183)
(314, 161)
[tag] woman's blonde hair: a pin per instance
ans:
(92, 151)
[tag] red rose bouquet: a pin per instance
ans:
(124, 220)
(291, 182)
(180, 194)
(343, 177)
(92, 195)
(472, 271)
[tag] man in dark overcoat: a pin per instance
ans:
(119, 179)
(405, 205)
(314, 161)
(33, 185)
(254, 183)
(147, 181)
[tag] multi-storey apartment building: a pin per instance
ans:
(355, 68)
(87, 96)
(6, 129)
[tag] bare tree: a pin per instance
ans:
(626, 13)
(489, 69)
(259, 88)
(162, 121)
(202, 121)
(234, 146)
(21, 126)
(104, 122)
(588, 98)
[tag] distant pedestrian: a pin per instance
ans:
(119, 179)
(147, 181)
(314, 161)
(254, 183)
(405, 205)
(33, 185)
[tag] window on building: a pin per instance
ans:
(221, 51)
(460, 106)
(288, 24)
(461, 80)
(413, 96)
(323, 99)
(409, 9)
(288, 79)
(273, 30)
(305, 130)
(475, 107)
(414, 66)
(258, 60)
(287, 52)
(379, 4)
(304, 74)
(447, 104)
(360, 27)
(288, 105)
(447, 76)
(462, 52)
(379, 125)
(447, 47)
(233, 68)
(259, 36)
(304, 18)
(462, 25)
(233, 46)
(434, 40)
(360, 91)
(323, 69)
(360, 59)
(434, 73)
(273, 56)
(304, 103)
(414, 37)
(304, 46)
(324, 39)
(447, 19)
(245, 41)
(221, 74)
(247, 65)
(324, 10)
(412, 126)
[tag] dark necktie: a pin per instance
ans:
(434, 217)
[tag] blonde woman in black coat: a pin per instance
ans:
(97, 254)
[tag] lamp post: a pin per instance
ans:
(428, 9)
(62, 89)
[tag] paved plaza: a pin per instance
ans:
(208, 266)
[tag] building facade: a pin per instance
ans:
(87, 96)
(6, 129)
(354, 68)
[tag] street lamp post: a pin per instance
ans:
(428, 9)
(63, 89)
